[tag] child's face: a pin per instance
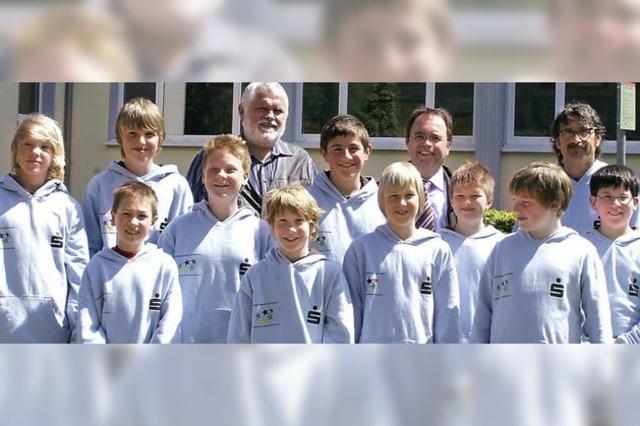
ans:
(140, 146)
(532, 216)
(133, 220)
(401, 207)
(292, 233)
(223, 176)
(33, 158)
(346, 157)
(614, 205)
(469, 202)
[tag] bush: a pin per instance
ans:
(502, 220)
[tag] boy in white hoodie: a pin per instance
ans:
(349, 200)
(402, 279)
(543, 283)
(130, 293)
(43, 246)
(470, 240)
(293, 295)
(140, 133)
(614, 196)
(215, 244)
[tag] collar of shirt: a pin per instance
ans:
(279, 150)
(437, 180)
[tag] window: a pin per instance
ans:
(28, 98)
(533, 107)
(193, 112)
(384, 108)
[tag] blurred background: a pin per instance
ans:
(320, 40)
(310, 41)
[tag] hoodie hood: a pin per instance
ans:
(624, 240)
(560, 235)
(420, 236)
(49, 187)
(328, 189)
(147, 249)
(488, 232)
(155, 175)
(202, 208)
(301, 264)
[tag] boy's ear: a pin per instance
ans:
(154, 220)
(592, 200)
(113, 218)
(323, 152)
(241, 111)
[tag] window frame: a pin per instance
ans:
(542, 144)
(312, 140)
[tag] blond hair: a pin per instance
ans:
(234, 145)
(398, 175)
(473, 173)
(296, 199)
(140, 113)
(545, 182)
(132, 188)
(43, 129)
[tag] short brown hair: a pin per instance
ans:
(343, 125)
(400, 174)
(140, 113)
(473, 173)
(43, 129)
(545, 182)
(294, 198)
(234, 145)
(135, 188)
(439, 112)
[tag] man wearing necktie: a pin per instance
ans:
(429, 138)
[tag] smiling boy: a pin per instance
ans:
(293, 295)
(130, 293)
(215, 244)
(402, 279)
(543, 283)
(614, 196)
(349, 200)
(139, 133)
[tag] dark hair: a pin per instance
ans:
(439, 112)
(613, 176)
(582, 112)
(343, 125)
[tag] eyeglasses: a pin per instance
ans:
(625, 200)
(422, 137)
(582, 133)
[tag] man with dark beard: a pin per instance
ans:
(577, 135)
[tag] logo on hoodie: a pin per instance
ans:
(314, 315)
(633, 288)
(502, 288)
(321, 244)
(425, 286)
(155, 302)
(107, 224)
(164, 224)
(557, 289)
(265, 315)
(57, 241)
(244, 267)
(371, 284)
(6, 242)
(187, 266)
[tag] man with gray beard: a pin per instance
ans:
(263, 113)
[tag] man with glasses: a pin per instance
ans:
(577, 134)
(429, 137)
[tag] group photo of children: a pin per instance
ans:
(259, 244)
